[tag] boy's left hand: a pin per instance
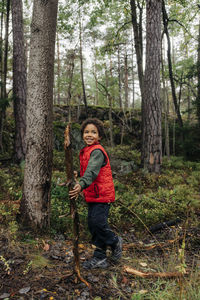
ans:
(75, 192)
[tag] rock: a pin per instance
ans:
(122, 167)
(25, 290)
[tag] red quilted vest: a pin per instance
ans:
(102, 189)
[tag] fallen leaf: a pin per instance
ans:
(81, 246)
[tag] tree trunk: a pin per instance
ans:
(110, 120)
(152, 147)
(198, 74)
(166, 112)
(126, 80)
(58, 69)
(35, 203)
(177, 108)
(133, 78)
(189, 103)
(4, 76)
(138, 42)
(119, 77)
(81, 62)
(19, 80)
(71, 73)
(95, 76)
(137, 29)
(1, 49)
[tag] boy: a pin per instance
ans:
(97, 185)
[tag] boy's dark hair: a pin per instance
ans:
(96, 122)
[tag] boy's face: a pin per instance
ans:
(91, 135)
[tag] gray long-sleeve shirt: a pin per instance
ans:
(96, 161)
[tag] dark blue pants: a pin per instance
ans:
(102, 235)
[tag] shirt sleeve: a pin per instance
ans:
(96, 161)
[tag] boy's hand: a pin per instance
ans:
(75, 192)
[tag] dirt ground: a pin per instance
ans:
(43, 268)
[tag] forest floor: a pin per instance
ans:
(42, 268)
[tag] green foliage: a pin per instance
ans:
(124, 152)
(146, 199)
(4, 103)
(59, 160)
(11, 180)
(187, 141)
(61, 221)
(59, 207)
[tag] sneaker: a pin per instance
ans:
(95, 262)
(117, 251)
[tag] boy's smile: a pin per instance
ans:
(91, 135)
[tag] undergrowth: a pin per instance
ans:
(142, 200)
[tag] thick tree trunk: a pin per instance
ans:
(152, 147)
(19, 80)
(35, 204)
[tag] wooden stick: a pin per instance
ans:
(73, 206)
(152, 274)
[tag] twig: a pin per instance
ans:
(153, 274)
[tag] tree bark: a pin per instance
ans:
(35, 204)
(177, 108)
(126, 80)
(133, 77)
(70, 76)
(81, 62)
(4, 104)
(137, 29)
(119, 77)
(58, 69)
(198, 85)
(152, 147)
(19, 80)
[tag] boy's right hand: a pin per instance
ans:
(75, 191)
